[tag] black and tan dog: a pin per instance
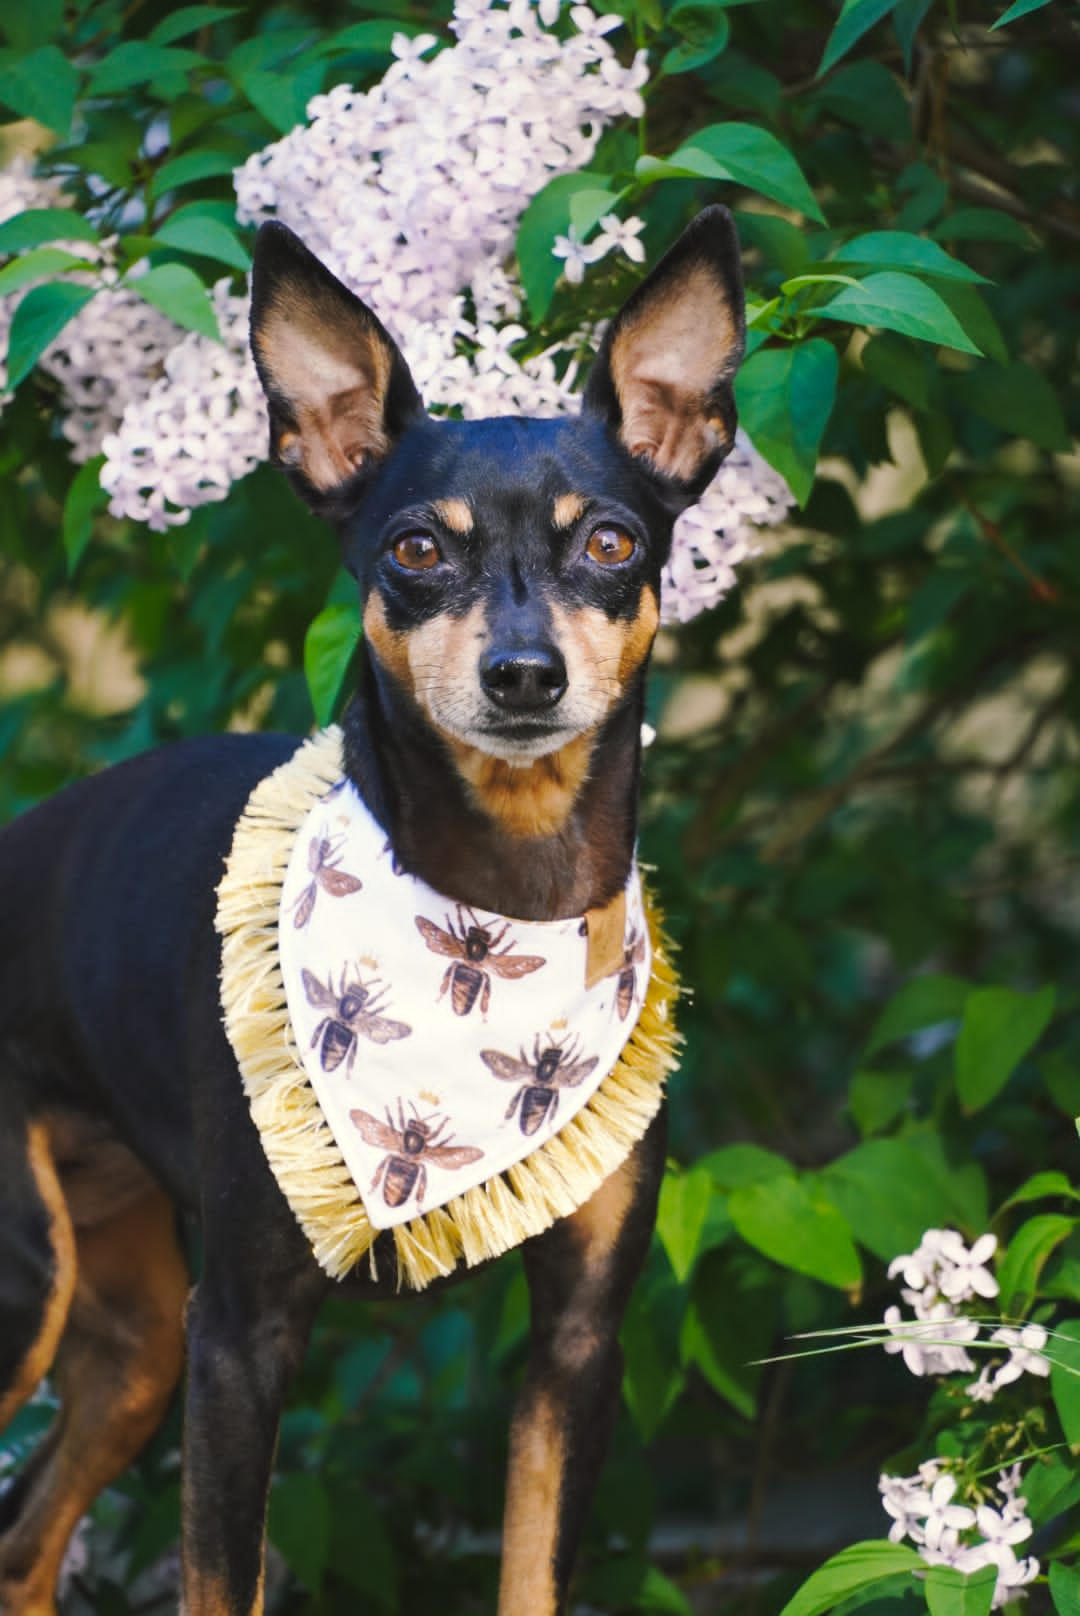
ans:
(510, 573)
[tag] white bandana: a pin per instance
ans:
(444, 1044)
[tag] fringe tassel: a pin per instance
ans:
(300, 1147)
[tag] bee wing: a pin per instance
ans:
(316, 992)
(314, 854)
(512, 965)
(452, 1155)
(439, 941)
(380, 1029)
(506, 1067)
(339, 883)
(304, 907)
(374, 1132)
(639, 951)
(569, 1077)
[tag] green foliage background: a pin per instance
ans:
(863, 805)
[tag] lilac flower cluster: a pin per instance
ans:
(967, 1537)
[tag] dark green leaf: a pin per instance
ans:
(900, 249)
(1019, 8)
(1018, 399)
(797, 1228)
(970, 308)
(925, 1001)
(705, 29)
(179, 293)
(983, 224)
(999, 1028)
(328, 649)
(868, 96)
(952, 1593)
(374, 38)
(27, 23)
(855, 19)
(85, 498)
(743, 153)
(135, 62)
(191, 167)
(40, 317)
(1025, 1258)
(785, 397)
(899, 365)
(39, 225)
(298, 1523)
(187, 20)
(41, 264)
(889, 1193)
(1064, 1349)
(192, 231)
(548, 216)
(899, 303)
(42, 85)
(846, 1573)
(907, 19)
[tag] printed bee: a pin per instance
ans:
(355, 1011)
(552, 1068)
(472, 948)
(413, 1142)
(323, 857)
(633, 954)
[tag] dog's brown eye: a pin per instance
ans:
(416, 552)
(609, 545)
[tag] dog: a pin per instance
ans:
(510, 573)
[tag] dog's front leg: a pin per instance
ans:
(246, 1340)
(580, 1276)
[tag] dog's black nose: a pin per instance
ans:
(524, 679)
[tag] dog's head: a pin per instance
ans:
(509, 568)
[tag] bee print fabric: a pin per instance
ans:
(443, 1043)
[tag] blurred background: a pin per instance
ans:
(863, 802)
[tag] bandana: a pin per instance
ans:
(412, 1064)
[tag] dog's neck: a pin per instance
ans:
(418, 791)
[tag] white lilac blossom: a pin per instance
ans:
(933, 1343)
(965, 1535)
(1025, 1352)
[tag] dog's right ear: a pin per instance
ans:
(339, 391)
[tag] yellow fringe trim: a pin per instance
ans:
(303, 1154)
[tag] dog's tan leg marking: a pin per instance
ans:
(536, 1494)
(456, 514)
(117, 1365)
(568, 509)
(38, 1361)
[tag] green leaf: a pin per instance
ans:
(372, 38)
(848, 1572)
(855, 19)
(889, 1193)
(191, 167)
(548, 216)
(328, 649)
(798, 1229)
(730, 1325)
(188, 20)
(705, 29)
(899, 303)
(952, 1593)
(999, 1028)
(653, 1377)
(84, 499)
(661, 1596)
(684, 1206)
(901, 366)
(984, 224)
(298, 1523)
(1018, 399)
(191, 231)
(1019, 8)
(42, 263)
(282, 98)
(38, 319)
(1064, 1346)
(925, 1001)
(135, 62)
(785, 397)
(733, 1165)
(1041, 1187)
(867, 95)
(907, 19)
(39, 225)
(1065, 1588)
(43, 85)
(900, 249)
(876, 1099)
(970, 308)
(179, 293)
(27, 23)
(1026, 1256)
(743, 153)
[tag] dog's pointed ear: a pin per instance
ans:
(663, 376)
(339, 391)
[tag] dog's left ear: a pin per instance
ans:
(663, 376)
(339, 391)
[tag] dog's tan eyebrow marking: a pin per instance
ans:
(568, 509)
(456, 514)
